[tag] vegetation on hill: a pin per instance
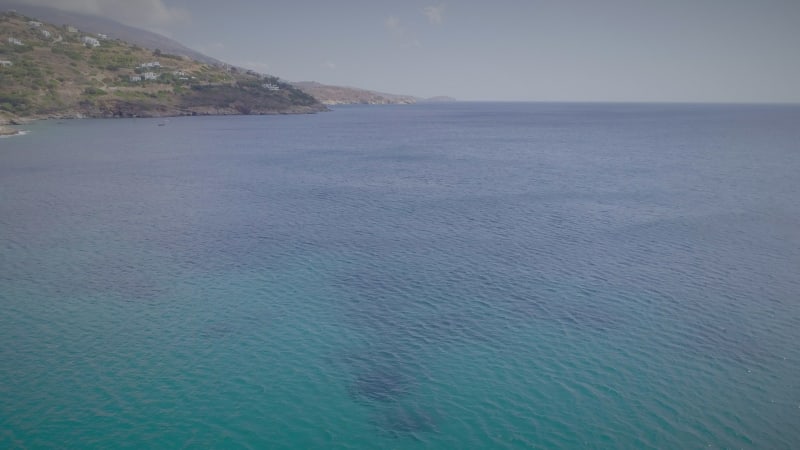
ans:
(55, 71)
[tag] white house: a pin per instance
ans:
(179, 73)
(71, 29)
(102, 36)
(35, 24)
(90, 41)
(135, 78)
(271, 87)
(14, 41)
(6, 63)
(150, 65)
(46, 34)
(150, 76)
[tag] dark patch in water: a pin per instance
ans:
(381, 385)
(401, 421)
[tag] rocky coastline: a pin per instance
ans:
(6, 131)
(124, 110)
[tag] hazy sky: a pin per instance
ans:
(589, 50)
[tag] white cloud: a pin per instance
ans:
(435, 14)
(400, 33)
(144, 13)
(394, 26)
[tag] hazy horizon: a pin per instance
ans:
(573, 51)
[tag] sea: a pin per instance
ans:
(438, 276)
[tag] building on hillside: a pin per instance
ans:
(102, 37)
(15, 41)
(150, 65)
(6, 63)
(135, 78)
(46, 34)
(150, 76)
(271, 87)
(90, 41)
(71, 29)
(179, 73)
(35, 24)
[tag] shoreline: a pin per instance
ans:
(5, 130)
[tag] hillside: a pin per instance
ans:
(115, 30)
(58, 71)
(339, 95)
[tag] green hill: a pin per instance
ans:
(57, 71)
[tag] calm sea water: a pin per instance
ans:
(431, 276)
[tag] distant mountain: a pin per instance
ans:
(438, 99)
(341, 95)
(47, 70)
(115, 30)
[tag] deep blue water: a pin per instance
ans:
(431, 276)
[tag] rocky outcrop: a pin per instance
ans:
(7, 131)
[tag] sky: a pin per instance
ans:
(508, 50)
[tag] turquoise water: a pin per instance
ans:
(430, 276)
